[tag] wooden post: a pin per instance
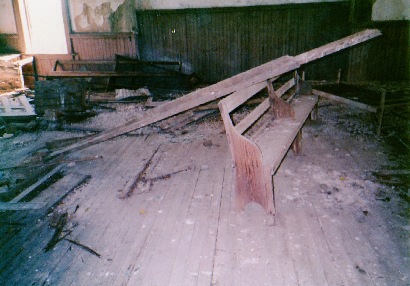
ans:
(381, 111)
(313, 114)
(297, 143)
(339, 75)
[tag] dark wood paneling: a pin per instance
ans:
(103, 46)
(384, 59)
(221, 42)
(45, 63)
(9, 43)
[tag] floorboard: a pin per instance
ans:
(160, 209)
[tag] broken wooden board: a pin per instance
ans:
(338, 45)
(181, 120)
(20, 206)
(54, 194)
(11, 106)
(11, 67)
(37, 184)
(193, 99)
(345, 101)
(245, 79)
(127, 93)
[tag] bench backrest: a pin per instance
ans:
(250, 186)
(236, 99)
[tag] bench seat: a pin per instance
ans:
(277, 137)
(259, 142)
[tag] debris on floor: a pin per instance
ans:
(268, 71)
(346, 192)
(15, 104)
(11, 71)
(127, 93)
(61, 96)
(161, 198)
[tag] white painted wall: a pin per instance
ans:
(182, 4)
(391, 10)
(7, 21)
(43, 26)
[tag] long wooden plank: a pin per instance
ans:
(193, 99)
(242, 126)
(258, 74)
(241, 96)
(24, 61)
(59, 190)
(284, 88)
(284, 131)
(38, 183)
(9, 57)
(20, 206)
(345, 100)
(338, 45)
(111, 170)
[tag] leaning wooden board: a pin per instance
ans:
(258, 74)
(193, 99)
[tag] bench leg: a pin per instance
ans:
(313, 114)
(254, 185)
(297, 143)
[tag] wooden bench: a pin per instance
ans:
(257, 157)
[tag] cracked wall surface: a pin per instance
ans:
(102, 16)
(119, 15)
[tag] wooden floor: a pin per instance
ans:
(160, 210)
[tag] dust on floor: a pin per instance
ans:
(341, 219)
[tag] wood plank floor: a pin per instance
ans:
(160, 210)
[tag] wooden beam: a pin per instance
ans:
(338, 45)
(284, 88)
(24, 61)
(67, 25)
(8, 58)
(243, 80)
(250, 119)
(20, 206)
(19, 26)
(193, 99)
(345, 100)
(34, 186)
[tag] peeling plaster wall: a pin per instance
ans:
(391, 10)
(102, 16)
(7, 21)
(183, 4)
(119, 15)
